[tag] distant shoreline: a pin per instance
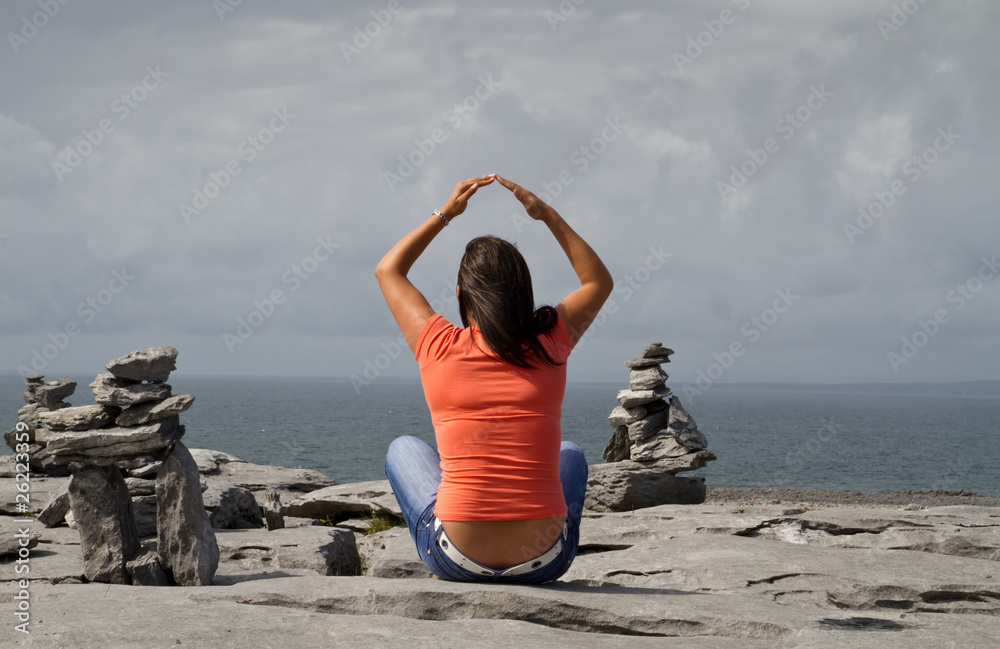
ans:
(827, 498)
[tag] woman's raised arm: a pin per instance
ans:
(408, 305)
(579, 308)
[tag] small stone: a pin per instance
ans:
(632, 398)
(153, 364)
(146, 571)
(111, 391)
(646, 362)
(56, 509)
(140, 487)
(52, 392)
(655, 350)
(146, 412)
(619, 446)
(10, 541)
(624, 416)
(682, 427)
(652, 424)
(78, 419)
(28, 414)
(274, 513)
(657, 447)
(231, 507)
(647, 378)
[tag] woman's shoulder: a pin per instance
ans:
(556, 340)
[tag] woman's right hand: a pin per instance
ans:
(534, 206)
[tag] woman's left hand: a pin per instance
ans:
(463, 192)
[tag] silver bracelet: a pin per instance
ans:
(443, 217)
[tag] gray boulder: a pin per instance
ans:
(327, 550)
(154, 365)
(625, 486)
(340, 502)
(184, 537)
(102, 510)
(143, 413)
(391, 555)
(650, 425)
(78, 419)
(111, 391)
(231, 507)
(682, 427)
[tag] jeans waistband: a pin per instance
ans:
(453, 553)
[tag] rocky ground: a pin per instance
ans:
(748, 568)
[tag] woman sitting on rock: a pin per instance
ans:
(502, 497)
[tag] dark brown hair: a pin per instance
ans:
(494, 290)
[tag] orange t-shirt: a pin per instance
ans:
(496, 424)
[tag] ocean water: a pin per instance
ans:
(865, 438)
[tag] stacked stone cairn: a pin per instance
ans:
(135, 429)
(654, 439)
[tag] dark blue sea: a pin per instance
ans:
(867, 438)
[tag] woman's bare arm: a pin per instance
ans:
(579, 308)
(408, 305)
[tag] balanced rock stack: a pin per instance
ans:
(654, 439)
(40, 397)
(134, 427)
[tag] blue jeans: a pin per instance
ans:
(414, 471)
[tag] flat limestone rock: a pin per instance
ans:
(102, 510)
(624, 416)
(111, 391)
(78, 419)
(143, 413)
(29, 414)
(646, 378)
(50, 393)
(154, 365)
(11, 537)
(115, 442)
(341, 502)
(634, 363)
(209, 461)
(632, 398)
(185, 541)
(326, 550)
(391, 555)
(627, 485)
(661, 447)
(291, 483)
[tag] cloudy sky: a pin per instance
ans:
(784, 191)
